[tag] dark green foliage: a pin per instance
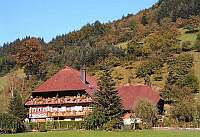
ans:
(10, 124)
(87, 35)
(50, 125)
(181, 83)
(6, 64)
(42, 128)
(135, 49)
(149, 68)
(175, 93)
(65, 125)
(144, 20)
(77, 56)
(113, 124)
(186, 46)
(96, 119)
(177, 8)
(189, 81)
(16, 106)
(107, 107)
(181, 65)
(190, 29)
(133, 25)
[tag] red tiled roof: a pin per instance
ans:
(67, 79)
(131, 94)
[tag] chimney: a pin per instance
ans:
(83, 74)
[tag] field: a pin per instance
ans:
(147, 133)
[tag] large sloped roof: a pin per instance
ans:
(67, 79)
(131, 94)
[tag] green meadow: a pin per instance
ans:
(145, 133)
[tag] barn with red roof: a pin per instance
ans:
(67, 95)
(132, 94)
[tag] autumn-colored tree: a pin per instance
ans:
(30, 56)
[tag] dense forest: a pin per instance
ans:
(164, 39)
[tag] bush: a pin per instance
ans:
(32, 126)
(68, 124)
(167, 121)
(44, 126)
(113, 124)
(95, 120)
(186, 46)
(10, 123)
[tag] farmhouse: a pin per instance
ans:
(132, 94)
(68, 94)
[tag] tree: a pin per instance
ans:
(107, 107)
(16, 106)
(147, 112)
(184, 110)
(146, 69)
(133, 25)
(177, 8)
(96, 119)
(144, 20)
(30, 56)
(175, 93)
(6, 64)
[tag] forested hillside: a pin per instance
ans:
(178, 8)
(159, 46)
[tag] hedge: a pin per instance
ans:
(10, 123)
(53, 125)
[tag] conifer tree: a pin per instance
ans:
(16, 106)
(107, 107)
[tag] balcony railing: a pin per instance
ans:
(67, 114)
(59, 114)
(55, 100)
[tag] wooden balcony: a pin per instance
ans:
(54, 101)
(67, 114)
(41, 112)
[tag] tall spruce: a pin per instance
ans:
(16, 106)
(107, 107)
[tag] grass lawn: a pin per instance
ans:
(187, 36)
(148, 133)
